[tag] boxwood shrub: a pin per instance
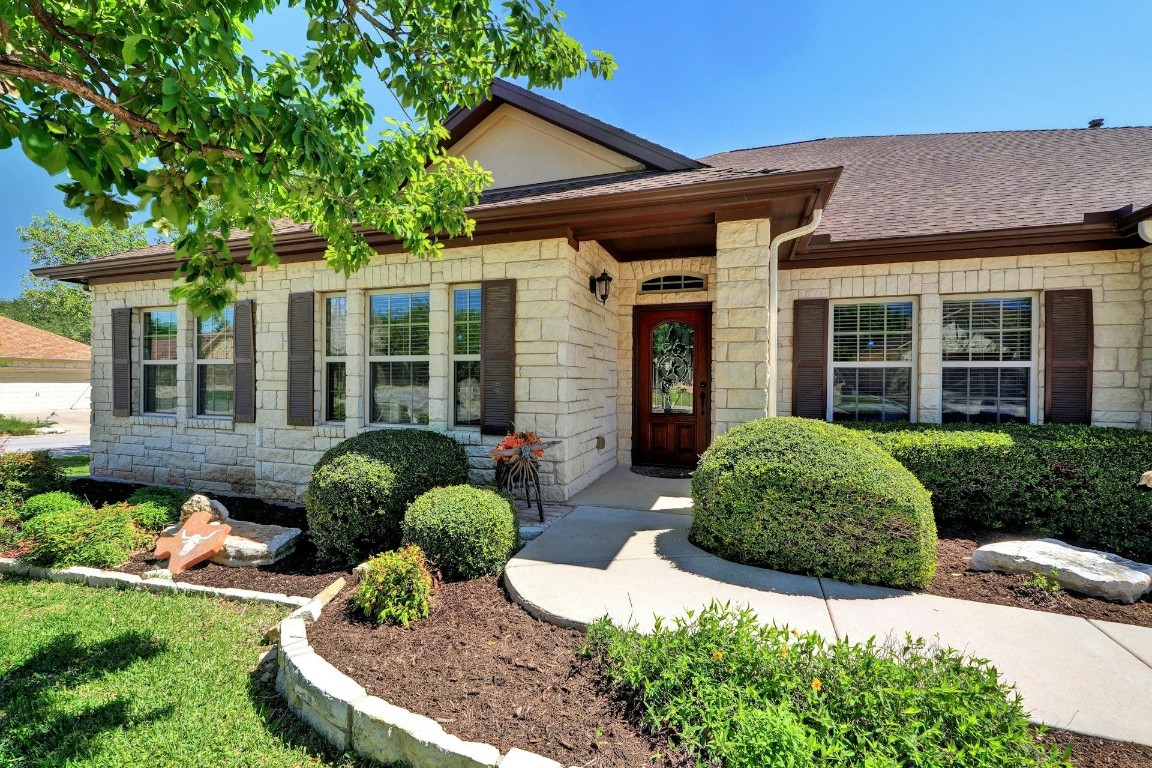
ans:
(737, 692)
(82, 536)
(1074, 482)
(466, 532)
(805, 496)
(362, 486)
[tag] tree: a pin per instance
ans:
(53, 240)
(151, 105)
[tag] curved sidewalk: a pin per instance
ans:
(1092, 677)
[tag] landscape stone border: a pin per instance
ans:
(95, 577)
(343, 713)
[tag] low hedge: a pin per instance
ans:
(99, 538)
(1074, 482)
(805, 496)
(466, 532)
(361, 488)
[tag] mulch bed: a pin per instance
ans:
(298, 574)
(489, 672)
(953, 579)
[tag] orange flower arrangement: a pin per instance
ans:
(517, 440)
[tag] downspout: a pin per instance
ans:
(774, 301)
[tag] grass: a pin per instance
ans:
(14, 427)
(73, 466)
(94, 677)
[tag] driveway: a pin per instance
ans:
(75, 440)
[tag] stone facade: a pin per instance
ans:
(574, 355)
(1122, 309)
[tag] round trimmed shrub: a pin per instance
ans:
(82, 536)
(466, 532)
(395, 587)
(806, 496)
(361, 487)
(53, 501)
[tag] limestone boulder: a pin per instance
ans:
(1096, 573)
(251, 544)
(201, 503)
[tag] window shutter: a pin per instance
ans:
(244, 362)
(122, 361)
(497, 356)
(1068, 345)
(810, 358)
(301, 358)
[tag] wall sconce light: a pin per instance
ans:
(599, 286)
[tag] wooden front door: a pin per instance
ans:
(673, 363)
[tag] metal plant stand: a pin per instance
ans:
(519, 468)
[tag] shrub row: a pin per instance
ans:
(26, 474)
(736, 693)
(97, 538)
(805, 496)
(1074, 482)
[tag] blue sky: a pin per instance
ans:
(701, 77)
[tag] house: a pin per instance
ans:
(41, 371)
(617, 296)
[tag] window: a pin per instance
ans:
(335, 357)
(872, 347)
(988, 360)
(466, 356)
(158, 361)
(214, 367)
(672, 283)
(398, 358)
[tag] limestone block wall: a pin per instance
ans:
(561, 335)
(1120, 305)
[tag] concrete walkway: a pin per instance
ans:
(1093, 677)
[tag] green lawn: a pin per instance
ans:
(15, 427)
(97, 677)
(73, 466)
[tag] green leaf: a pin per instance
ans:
(170, 86)
(131, 44)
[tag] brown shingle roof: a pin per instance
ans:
(896, 186)
(18, 340)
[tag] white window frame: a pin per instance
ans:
(1033, 366)
(326, 359)
(198, 361)
(914, 363)
(144, 361)
(453, 358)
(369, 358)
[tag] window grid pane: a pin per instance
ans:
(871, 394)
(873, 333)
(214, 384)
(398, 325)
(466, 322)
(399, 392)
(336, 391)
(336, 326)
(159, 335)
(159, 389)
(987, 330)
(466, 378)
(214, 340)
(988, 395)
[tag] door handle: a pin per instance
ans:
(703, 393)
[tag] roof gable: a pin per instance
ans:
(519, 148)
(584, 145)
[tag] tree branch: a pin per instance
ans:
(53, 27)
(17, 68)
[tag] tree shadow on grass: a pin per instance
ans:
(34, 727)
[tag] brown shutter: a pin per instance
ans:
(244, 361)
(1068, 346)
(497, 356)
(122, 361)
(810, 358)
(301, 358)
